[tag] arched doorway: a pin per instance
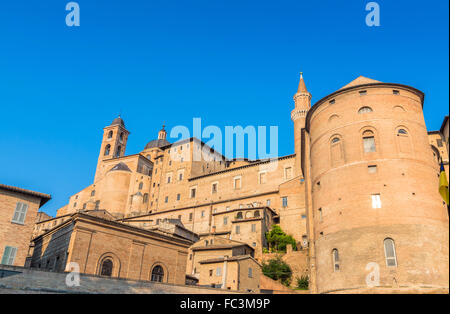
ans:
(106, 268)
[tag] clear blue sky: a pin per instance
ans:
(230, 62)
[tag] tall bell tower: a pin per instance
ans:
(114, 143)
(302, 101)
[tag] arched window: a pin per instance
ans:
(107, 267)
(141, 185)
(336, 148)
(121, 136)
(369, 142)
(110, 134)
(365, 110)
(256, 213)
(157, 274)
(335, 255)
(404, 142)
(118, 151)
(389, 251)
(145, 198)
(239, 215)
(107, 150)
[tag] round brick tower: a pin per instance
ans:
(378, 218)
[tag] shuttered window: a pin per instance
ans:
(9, 255)
(20, 213)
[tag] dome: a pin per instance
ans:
(157, 143)
(118, 121)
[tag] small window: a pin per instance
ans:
(141, 185)
(253, 227)
(335, 140)
(20, 213)
(402, 132)
(250, 272)
(121, 136)
(372, 169)
(203, 213)
(193, 191)
(93, 193)
(362, 92)
(218, 271)
(180, 177)
(332, 101)
(376, 201)
(225, 220)
(214, 188)
(166, 200)
(268, 203)
(396, 92)
(389, 251)
(284, 201)
(190, 216)
(110, 134)
(145, 198)
(335, 256)
(97, 204)
(238, 229)
(364, 110)
(320, 214)
(178, 197)
(9, 255)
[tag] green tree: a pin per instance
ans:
(277, 269)
(277, 239)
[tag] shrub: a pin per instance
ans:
(303, 282)
(277, 269)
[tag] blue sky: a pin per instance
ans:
(230, 62)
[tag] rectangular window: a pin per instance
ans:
(166, 199)
(288, 172)
(20, 213)
(190, 216)
(203, 213)
(376, 201)
(193, 190)
(284, 201)
(9, 255)
(237, 183)
(218, 271)
(168, 179)
(363, 92)
(263, 177)
(372, 169)
(178, 197)
(250, 272)
(396, 92)
(320, 214)
(238, 229)
(253, 227)
(214, 188)
(268, 203)
(369, 144)
(225, 220)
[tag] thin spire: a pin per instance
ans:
(301, 85)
